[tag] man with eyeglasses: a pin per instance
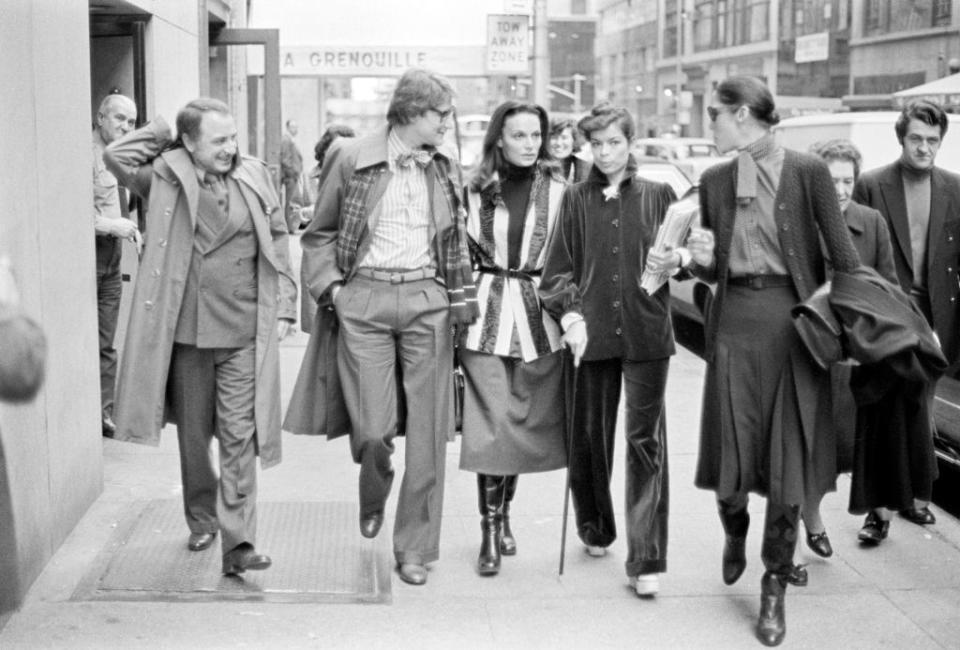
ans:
(385, 257)
(921, 203)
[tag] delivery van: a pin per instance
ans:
(871, 131)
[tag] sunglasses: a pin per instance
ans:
(712, 113)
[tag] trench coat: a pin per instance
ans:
(167, 177)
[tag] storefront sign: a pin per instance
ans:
(508, 44)
(387, 61)
(812, 47)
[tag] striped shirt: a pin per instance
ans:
(401, 237)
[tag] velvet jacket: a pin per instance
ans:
(595, 261)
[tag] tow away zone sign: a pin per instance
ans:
(508, 44)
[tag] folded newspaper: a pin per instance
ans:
(681, 216)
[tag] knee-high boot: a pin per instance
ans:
(736, 521)
(779, 544)
(508, 544)
(490, 493)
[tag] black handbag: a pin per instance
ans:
(457, 390)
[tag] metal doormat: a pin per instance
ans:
(318, 556)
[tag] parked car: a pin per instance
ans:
(692, 155)
(663, 171)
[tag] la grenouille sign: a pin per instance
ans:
(348, 61)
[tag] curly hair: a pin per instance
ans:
(561, 124)
(930, 113)
(839, 149)
(603, 115)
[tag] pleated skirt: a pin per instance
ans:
(513, 414)
(766, 421)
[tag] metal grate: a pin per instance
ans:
(318, 556)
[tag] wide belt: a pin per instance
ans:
(757, 282)
(510, 273)
(397, 277)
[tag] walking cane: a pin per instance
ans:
(568, 368)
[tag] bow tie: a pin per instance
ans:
(419, 156)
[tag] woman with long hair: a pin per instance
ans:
(766, 404)
(513, 395)
(591, 283)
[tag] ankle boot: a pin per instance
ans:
(508, 544)
(772, 623)
(736, 522)
(490, 498)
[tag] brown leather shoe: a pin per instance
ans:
(413, 574)
(244, 557)
(200, 541)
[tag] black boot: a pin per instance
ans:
(736, 522)
(490, 490)
(508, 545)
(772, 623)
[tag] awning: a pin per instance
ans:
(944, 91)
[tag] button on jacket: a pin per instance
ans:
(595, 261)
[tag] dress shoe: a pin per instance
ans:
(797, 576)
(819, 543)
(920, 516)
(874, 530)
(109, 428)
(370, 525)
(772, 623)
(242, 558)
(646, 584)
(595, 551)
(413, 574)
(734, 558)
(200, 541)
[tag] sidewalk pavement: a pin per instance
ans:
(905, 593)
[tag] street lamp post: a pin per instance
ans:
(679, 64)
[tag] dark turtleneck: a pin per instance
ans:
(515, 186)
(916, 193)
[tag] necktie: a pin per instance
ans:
(421, 157)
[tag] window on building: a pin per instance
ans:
(892, 16)
(670, 32)
(725, 23)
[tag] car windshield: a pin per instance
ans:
(704, 150)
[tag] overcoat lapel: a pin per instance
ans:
(182, 167)
(940, 205)
(895, 205)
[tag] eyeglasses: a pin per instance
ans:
(712, 113)
(443, 115)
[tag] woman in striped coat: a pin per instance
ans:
(513, 398)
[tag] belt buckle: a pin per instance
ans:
(396, 278)
(756, 282)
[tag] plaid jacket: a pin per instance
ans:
(354, 177)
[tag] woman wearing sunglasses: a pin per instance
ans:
(764, 215)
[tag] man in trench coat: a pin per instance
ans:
(214, 295)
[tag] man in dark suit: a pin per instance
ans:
(214, 295)
(921, 204)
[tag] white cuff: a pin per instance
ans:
(569, 319)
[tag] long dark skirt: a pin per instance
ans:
(766, 421)
(894, 461)
(513, 414)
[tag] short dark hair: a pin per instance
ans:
(603, 115)
(190, 116)
(333, 132)
(752, 93)
(491, 160)
(561, 124)
(839, 149)
(417, 92)
(926, 111)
